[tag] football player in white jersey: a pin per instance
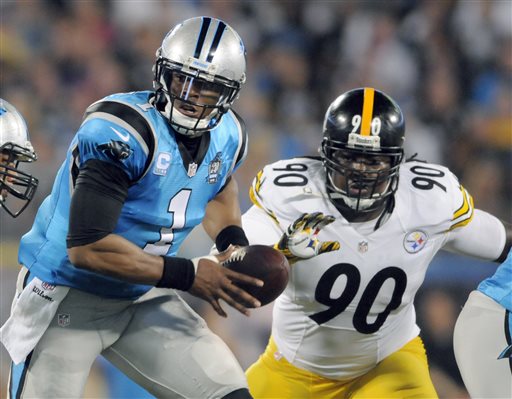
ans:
(482, 337)
(346, 326)
(17, 188)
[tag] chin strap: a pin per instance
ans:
(388, 209)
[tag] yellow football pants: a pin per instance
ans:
(404, 374)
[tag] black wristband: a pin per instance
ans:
(231, 235)
(178, 273)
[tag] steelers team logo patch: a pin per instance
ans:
(415, 241)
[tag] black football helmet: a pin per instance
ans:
(17, 188)
(362, 148)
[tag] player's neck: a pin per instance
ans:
(380, 214)
(190, 143)
(358, 217)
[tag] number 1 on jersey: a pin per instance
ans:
(178, 208)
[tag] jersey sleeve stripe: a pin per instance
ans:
(121, 123)
(118, 111)
(241, 151)
(254, 195)
(461, 223)
(254, 190)
(256, 202)
(73, 168)
(254, 198)
(463, 215)
(258, 181)
(464, 208)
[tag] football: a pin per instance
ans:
(265, 263)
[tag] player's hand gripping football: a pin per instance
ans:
(300, 241)
(214, 282)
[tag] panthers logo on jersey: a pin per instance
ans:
(116, 150)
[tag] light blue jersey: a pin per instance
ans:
(167, 197)
(499, 286)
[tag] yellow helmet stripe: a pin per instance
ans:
(369, 94)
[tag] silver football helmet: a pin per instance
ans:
(17, 188)
(199, 71)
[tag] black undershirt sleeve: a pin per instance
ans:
(100, 191)
(508, 242)
(225, 184)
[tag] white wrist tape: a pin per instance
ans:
(195, 261)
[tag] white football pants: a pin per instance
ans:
(157, 340)
(480, 336)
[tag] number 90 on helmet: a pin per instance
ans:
(199, 71)
(17, 188)
(362, 148)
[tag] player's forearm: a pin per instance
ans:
(117, 257)
(223, 211)
(223, 219)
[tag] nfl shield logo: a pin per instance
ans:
(192, 169)
(63, 319)
(363, 247)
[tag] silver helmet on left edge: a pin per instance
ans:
(17, 188)
(199, 71)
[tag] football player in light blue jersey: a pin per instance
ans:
(17, 188)
(142, 171)
(482, 337)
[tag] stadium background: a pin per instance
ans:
(448, 63)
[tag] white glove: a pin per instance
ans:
(300, 239)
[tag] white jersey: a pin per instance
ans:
(344, 311)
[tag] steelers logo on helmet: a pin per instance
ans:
(362, 148)
(199, 71)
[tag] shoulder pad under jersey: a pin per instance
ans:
(279, 188)
(433, 193)
(118, 131)
(239, 125)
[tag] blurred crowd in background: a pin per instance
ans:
(448, 63)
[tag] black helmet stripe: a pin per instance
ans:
(202, 35)
(216, 40)
(211, 55)
(366, 119)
